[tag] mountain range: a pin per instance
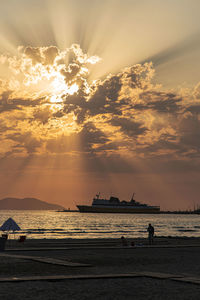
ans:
(27, 204)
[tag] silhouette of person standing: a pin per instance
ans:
(150, 230)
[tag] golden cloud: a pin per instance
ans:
(50, 105)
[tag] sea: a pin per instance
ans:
(76, 225)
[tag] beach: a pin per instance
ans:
(101, 269)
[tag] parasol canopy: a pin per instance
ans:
(10, 224)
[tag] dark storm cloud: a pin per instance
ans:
(166, 142)
(75, 104)
(102, 101)
(25, 140)
(190, 131)
(162, 102)
(90, 136)
(123, 100)
(84, 141)
(42, 114)
(106, 97)
(70, 72)
(129, 127)
(8, 103)
(183, 143)
(195, 109)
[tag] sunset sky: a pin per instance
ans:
(100, 96)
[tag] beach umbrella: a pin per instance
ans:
(10, 225)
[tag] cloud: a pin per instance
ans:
(128, 127)
(43, 55)
(159, 101)
(197, 91)
(89, 139)
(26, 141)
(189, 132)
(42, 114)
(55, 108)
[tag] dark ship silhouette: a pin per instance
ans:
(114, 205)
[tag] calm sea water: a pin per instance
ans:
(52, 224)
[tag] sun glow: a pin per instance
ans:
(55, 99)
(60, 88)
(72, 89)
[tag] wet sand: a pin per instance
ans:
(176, 256)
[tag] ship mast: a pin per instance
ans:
(132, 199)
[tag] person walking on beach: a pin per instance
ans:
(150, 230)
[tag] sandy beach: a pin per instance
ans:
(101, 269)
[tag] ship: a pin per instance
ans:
(114, 205)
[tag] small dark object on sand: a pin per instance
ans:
(132, 244)
(2, 243)
(124, 241)
(22, 239)
(5, 236)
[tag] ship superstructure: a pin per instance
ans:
(114, 205)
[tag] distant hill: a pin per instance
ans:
(27, 204)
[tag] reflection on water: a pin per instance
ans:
(51, 224)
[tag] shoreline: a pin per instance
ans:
(137, 213)
(158, 240)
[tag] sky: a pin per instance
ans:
(100, 96)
